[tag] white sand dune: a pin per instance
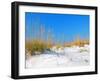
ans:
(69, 56)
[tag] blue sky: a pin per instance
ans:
(64, 27)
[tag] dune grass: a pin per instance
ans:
(79, 43)
(37, 46)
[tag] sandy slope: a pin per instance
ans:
(69, 56)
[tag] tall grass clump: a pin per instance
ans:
(36, 46)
